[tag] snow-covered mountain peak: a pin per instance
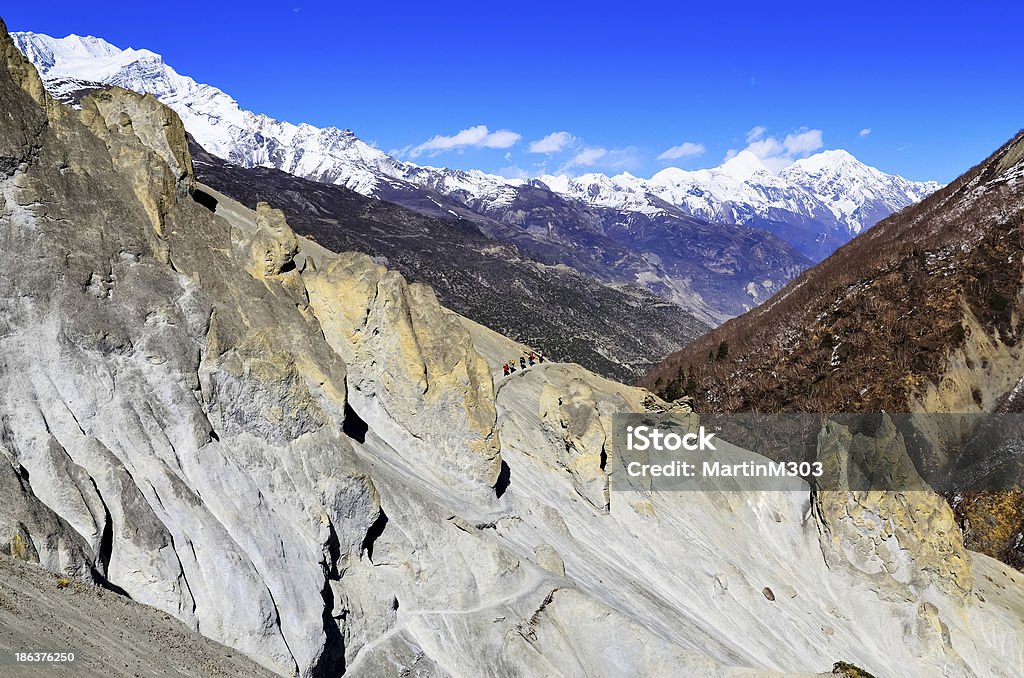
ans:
(623, 192)
(832, 162)
(83, 45)
(743, 166)
(829, 158)
(670, 175)
(81, 57)
(832, 189)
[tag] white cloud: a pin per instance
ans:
(687, 149)
(552, 143)
(756, 133)
(622, 158)
(803, 141)
(502, 138)
(472, 137)
(598, 157)
(769, 147)
(864, 132)
(513, 172)
(586, 158)
(778, 153)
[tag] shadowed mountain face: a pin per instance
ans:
(921, 313)
(715, 270)
(615, 331)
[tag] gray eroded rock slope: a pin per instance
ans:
(300, 455)
(111, 636)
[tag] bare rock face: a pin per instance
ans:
(30, 531)
(149, 138)
(22, 101)
(272, 248)
(910, 536)
(571, 414)
(410, 362)
(182, 418)
(548, 558)
(156, 126)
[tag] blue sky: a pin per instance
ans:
(921, 89)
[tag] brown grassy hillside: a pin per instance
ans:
(871, 326)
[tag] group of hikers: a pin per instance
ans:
(525, 360)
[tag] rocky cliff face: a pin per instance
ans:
(300, 455)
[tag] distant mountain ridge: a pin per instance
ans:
(817, 203)
(623, 230)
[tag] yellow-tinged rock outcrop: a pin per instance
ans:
(411, 357)
(146, 136)
(907, 533)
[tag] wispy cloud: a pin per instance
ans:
(756, 133)
(552, 143)
(803, 142)
(513, 172)
(586, 157)
(778, 153)
(472, 137)
(602, 158)
(687, 149)
(864, 132)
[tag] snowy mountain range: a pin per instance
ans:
(654, 232)
(830, 196)
(216, 121)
